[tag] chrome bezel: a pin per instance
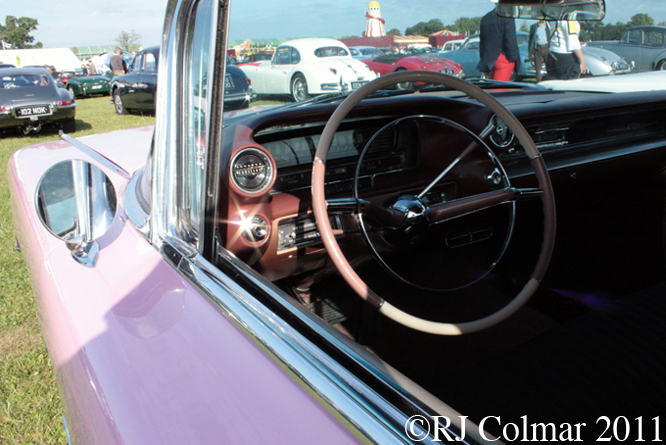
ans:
(269, 171)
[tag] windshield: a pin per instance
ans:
(24, 80)
(588, 55)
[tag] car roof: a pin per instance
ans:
(24, 70)
(312, 43)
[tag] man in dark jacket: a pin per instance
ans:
(498, 47)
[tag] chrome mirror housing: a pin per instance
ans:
(581, 10)
(77, 203)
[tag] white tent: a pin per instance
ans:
(61, 58)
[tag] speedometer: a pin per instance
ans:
(252, 170)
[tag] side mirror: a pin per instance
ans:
(77, 203)
(581, 10)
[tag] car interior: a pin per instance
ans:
(587, 344)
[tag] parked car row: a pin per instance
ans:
(642, 46)
(599, 61)
(136, 90)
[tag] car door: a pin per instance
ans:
(655, 45)
(630, 47)
(277, 79)
(130, 81)
(147, 81)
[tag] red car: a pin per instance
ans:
(255, 58)
(390, 63)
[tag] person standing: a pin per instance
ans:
(498, 47)
(538, 45)
(117, 63)
(565, 58)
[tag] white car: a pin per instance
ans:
(305, 67)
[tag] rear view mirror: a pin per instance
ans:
(580, 10)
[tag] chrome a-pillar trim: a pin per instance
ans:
(364, 411)
(137, 212)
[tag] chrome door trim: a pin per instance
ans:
(365, 412)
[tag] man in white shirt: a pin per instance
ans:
(565, 58)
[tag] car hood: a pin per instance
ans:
(603, 54)
(434, 61)
(30, 94)
(648, 81)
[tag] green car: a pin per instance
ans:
(81, 84)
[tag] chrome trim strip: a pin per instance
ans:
(365, 412)
(136, 212)
(106, 162)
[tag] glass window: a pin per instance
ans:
(295, 56)
(136, 63)
(331, 51)
(654, 38)
(198, 50)
(149, 63)
(633, 37)
(283, 55)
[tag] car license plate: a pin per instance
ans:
(37, 110)
(356, 85)
(96, 87)
(228, 83)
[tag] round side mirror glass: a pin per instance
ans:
(77, 203)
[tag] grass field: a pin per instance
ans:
(30, 409)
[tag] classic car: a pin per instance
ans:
(81, 84)
(468, 56)
(452, 44)
(602, 62)
(305, 67)
(254, 58)
(393, 63)
(238, 91)
(643, 46)
(460, 264)
(363, 52)
(135, 91)
(30, 99)
(63, 76)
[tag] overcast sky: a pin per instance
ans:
(96, 22)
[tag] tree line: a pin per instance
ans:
(16, 32)
(590, 30)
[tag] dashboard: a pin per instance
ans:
(389, 144)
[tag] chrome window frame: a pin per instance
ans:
(365, 412)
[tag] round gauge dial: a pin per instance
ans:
(252, 170)
(502, 136)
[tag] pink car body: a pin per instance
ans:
(141, 355)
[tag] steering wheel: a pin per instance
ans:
(399, 215)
